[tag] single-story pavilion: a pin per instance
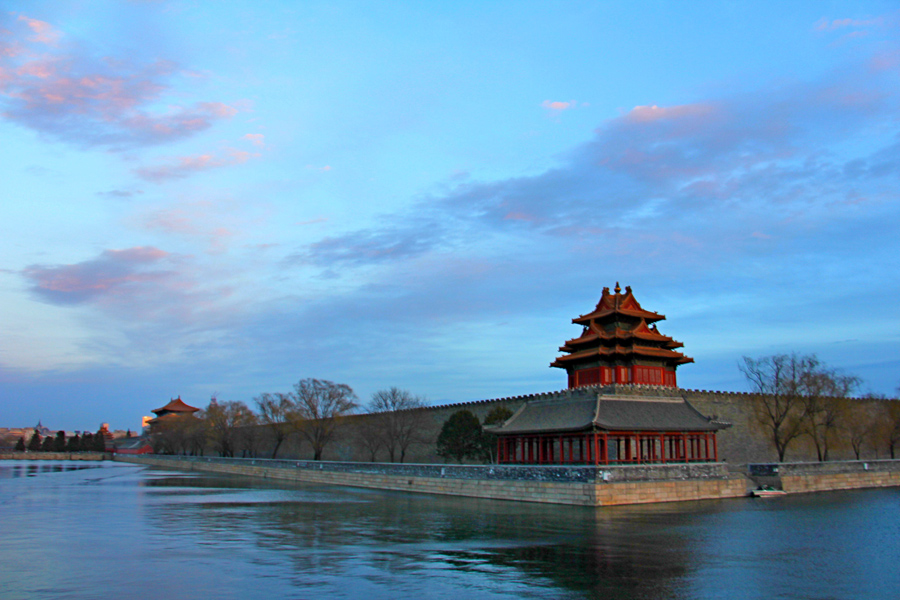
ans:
(587, 426)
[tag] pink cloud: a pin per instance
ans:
(257, 139)
(185, 166)
(65, 92)
(557, 106)
(146, 287)
(114, 272)
(216, 224)
(654, 112)
(520, 216)
(44, 33)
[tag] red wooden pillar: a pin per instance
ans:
(662, 447)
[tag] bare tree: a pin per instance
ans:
(248, 436)
(223, 421)
(317, 408)
(780, 408)
(273, 412)
(823, 391)
(179, 434)
(368, 433)
(860, 423)
(890, 425)
(400, 419)
(797, 395)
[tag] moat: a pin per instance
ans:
(100, 530)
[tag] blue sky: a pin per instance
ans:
(204, 198)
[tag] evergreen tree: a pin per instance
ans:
(47, 444)
(20, 445)
(59, 444)
(99, 442)
(34, 445)
(74, 444)
(460, 437)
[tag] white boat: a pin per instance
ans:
(766, 492)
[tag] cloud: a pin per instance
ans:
(146, 292)
(367, 247)
(824, 24)
(115, 273)
(185, 166)
(257, 139)
(120, 193)
(66, 92)
(556, 107)
(216, 224)
(695, 182)
(44, 33)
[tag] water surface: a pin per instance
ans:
(101, 530)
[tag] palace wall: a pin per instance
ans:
(744, 442)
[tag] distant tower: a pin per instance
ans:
(175, 409)
(619, 345)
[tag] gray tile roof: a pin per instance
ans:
(584, 410)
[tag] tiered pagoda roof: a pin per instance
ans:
(620, 333)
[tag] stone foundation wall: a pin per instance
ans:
(845, 475)
(584, 486)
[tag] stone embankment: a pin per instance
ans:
(584, 486)
(843, 475)
(55, 456)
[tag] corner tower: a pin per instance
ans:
(620, 344)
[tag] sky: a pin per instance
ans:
(206, 198)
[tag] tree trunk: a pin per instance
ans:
(275, 450)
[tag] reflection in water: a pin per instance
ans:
(187, 535)
(32, 468)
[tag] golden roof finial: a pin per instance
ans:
(618, 289)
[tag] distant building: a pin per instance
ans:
(176, 408)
